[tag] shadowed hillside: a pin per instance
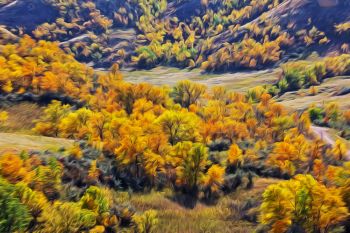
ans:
(213, 35)
(27, 14)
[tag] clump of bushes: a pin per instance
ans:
(303, 74)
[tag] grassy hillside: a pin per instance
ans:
(21, 117)
(216, 36)
(332, 90)
(17, 143)
(238, 81)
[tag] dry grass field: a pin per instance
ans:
(223, 217)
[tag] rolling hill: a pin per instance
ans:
(214, 35)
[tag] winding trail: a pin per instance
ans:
(323, 133)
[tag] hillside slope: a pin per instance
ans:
(20, 142)
(214, 35)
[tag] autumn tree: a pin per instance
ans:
(35, 201)
(97, 124)
(339, 150)
(235, 156)
(47, 179)
(213, 181)
(49, 122)
(131, 150)
(192, 168)
(302, 204)
(74, 124)
(187, 93)
(289, 155)
(66, 217)
(179, 126)
(13, 169)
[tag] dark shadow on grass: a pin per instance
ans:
(186, 200)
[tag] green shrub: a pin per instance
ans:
(316, 113)
(14, 216)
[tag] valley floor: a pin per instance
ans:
(239, 81)
(331, 89)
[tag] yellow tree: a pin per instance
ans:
(191, 170)
(131, 151)
(339, 150)
(48, 124)
(282, 157)
(155, 154)
(97, 124)
(235, 156)
(12, 168)
(302, 204)
(34, 200)
(213, 180)
(179, 126)
(340, 177)
(66, 217)
(187, 93)
(74, 125)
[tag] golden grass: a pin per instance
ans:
(18, 142)
(21, 117)
(238, 82)
(174, 218)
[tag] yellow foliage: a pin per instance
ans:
(339, 150)
(146, 222)
(66, 217)
(313, 90)
(235, 156)
(13, 169)
(3, 117)
(302, 200)
(214, 178)
(97, 229)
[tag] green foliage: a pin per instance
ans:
(35, 201)
(191, 170)
(316, 114)
(97, 200)
(14, 216)
(294, 78)
(301, 74)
